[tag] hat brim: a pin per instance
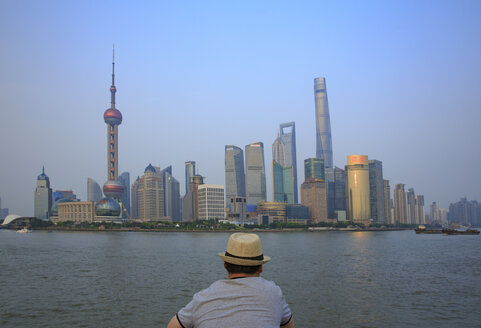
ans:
(239, 261)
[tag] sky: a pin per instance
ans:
(403, 83)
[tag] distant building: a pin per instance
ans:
(3, 211)
(94, 192)
(323, 123)
(376, 191)
(190, 204)
(282, 187)
(400, 204)
(124, 179)
(357, 189)
(465, 212)
(171, 194)
(387, 202)
(255, 173)
(211, 202)
(314, 197)
(336, 192)
(297, 213)
(314, 169)
(235, 180)
(269, 212)
(411, 210)
(149, 196)
(284, 158)
(189, 173)
(237, 209)
(420, 209)
(76, 211)
(43, 197)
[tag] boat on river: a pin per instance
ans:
(24, 230)
(422, 229)
(460, 232)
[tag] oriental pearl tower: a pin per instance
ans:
(113, 118)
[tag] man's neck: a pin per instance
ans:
(242, 275)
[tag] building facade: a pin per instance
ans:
(43, 197)
(255, 173)
(387, 202)
(314, 169)
(336, 192)
(190, 203)
(149, 196)
(400, 204)
(282, 183)
(94, 192)
(314, 196)
(189, 173)
(124, 179)
(284, 155)
(235, 179)
(357, 189)
(237, 209)
(323, 123)
(211, 202)
(376, 191)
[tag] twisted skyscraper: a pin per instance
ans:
(323, 123)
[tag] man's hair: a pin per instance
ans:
(234, 268)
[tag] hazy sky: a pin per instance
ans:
(403, 82)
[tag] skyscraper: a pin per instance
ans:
(323, 123)
(284, 155)
(357, 189)
(171, 194)
(211, 202)
(149, 196)
(255, 173)
(314, 196)
(189, 173)
(43, 197)
(387, 202)
(314, 169)
(376, 191)
(234, 173)
(94, 192)
(113, 118)
(124, 179)
(336, 192)
(282, 183)
(400, 204)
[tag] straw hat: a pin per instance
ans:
(244, 249)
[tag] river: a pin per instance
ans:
(330, 279)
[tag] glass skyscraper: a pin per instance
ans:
(284, 155)
(189, 173)
(314, 169)
(323, 123)
(235, 184)
(255, 173)
(94, 192)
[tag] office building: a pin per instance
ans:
(467, 213)
(255, 173)
(420, 209)
(124, 179)
(357, 189)
(190, 203)
(323, 123)
(314, 197)
(43, 197)
(235, 180)
(94, 192)
(411, 210)
(76, 212)
(282, 183)
(269, 212)
(171, 194)
(237, 210)
(149, 196)
(376, 191)
(189, 173)
(387, 202)
(400, 204)
(314, 169)
(336, 193)
(297, 213)
(211, 202)
(284, 156)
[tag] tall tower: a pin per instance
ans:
(113, 118)
(323, 123)
(189, 173)
(235, 179)
(255, 173)
(284, 156)
(43, 197)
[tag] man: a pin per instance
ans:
(244, 299)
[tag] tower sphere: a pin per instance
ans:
(113, 188)
(112, 116)
(107, 207)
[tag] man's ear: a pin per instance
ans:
(260, 269)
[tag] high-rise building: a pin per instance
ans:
(94, 192)
(171, 194)
(149, 193)
(314, 169)
(189, 173)
(235, 180)
(387, 202)
(434, 213)
(376, 191)
(3, 211)
(113, 118)
(357, 189)
(323, 123)
(190, 203)
(465, 212)
(282, 183)
(124, 179)
(400, 204)
(336, 192)
(211, 202)
(420, 208)
(284, 155)
(255, 173)
(314, 196)
(43, 197)
(411, 210)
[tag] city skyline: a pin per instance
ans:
(393, 91)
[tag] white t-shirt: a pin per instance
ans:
(236, 303)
